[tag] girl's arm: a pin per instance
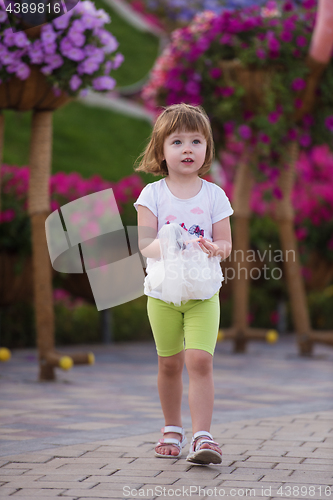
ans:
(222, 243)
(149, 246)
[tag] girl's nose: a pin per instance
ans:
(187, 148)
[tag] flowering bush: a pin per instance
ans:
(15, 228)
(311, 197)
(74, 51)
(190, 70)
(183, 11)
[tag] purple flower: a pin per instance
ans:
(77, 38)
(50, 48)
(61, 23)
(226, 39)
(88, 66)
(46, 70)
(272, 42)
(109, 41)
(264, 138)
(21, 40)
(94, 53)
(273, 117)
(7, 215)
(9, 37)
(286, 36)
(301, 41)
(277, 193)
(104, 83)
(288, 6)
(298, 103)
(48, 35)
(54, 61)
(35, 52)
(329, 123)
(305, 140)
(292, 134)
(215, 73)
(309, 4)
(75, 82)
(228, 127)
(65, 46)
(118, 60)
(226, 91)
(108, 67)
(75, 54)
(23, 71)
(3, 16)
(245, 132)
(261, 54)
(298, 84)
(8, 58)
(192, 88)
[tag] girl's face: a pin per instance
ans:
(184, 153)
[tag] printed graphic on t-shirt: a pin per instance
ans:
(197, 210)
(195, 229)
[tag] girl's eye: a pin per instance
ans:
(196, 141)
(176, 141)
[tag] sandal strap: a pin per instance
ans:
(201, 434)
(172, 441)
(173, 428)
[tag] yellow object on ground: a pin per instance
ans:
(91, 358)
(5, 354)
(66, 363)
(272, 336)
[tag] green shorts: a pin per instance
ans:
(196, 322)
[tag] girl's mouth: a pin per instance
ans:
(187, 160)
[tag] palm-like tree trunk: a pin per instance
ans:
(39, 209)
(295, 284)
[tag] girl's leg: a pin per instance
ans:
(170, 388)
(166, 322)
(201, 324)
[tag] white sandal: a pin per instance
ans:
(179, 444)
(202, 456)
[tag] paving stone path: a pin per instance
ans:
(91, 433)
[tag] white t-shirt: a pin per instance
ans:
(197, 215)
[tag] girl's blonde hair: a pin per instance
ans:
(182, 117)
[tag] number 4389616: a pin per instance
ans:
(26, 8)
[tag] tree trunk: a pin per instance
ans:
(241, 241)
(39, 209)
(296, 289)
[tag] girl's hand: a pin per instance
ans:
(208, 247)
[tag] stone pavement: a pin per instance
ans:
(91, 434)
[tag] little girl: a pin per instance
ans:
(181, 149)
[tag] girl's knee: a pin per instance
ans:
(199, 361)
(171, 365)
